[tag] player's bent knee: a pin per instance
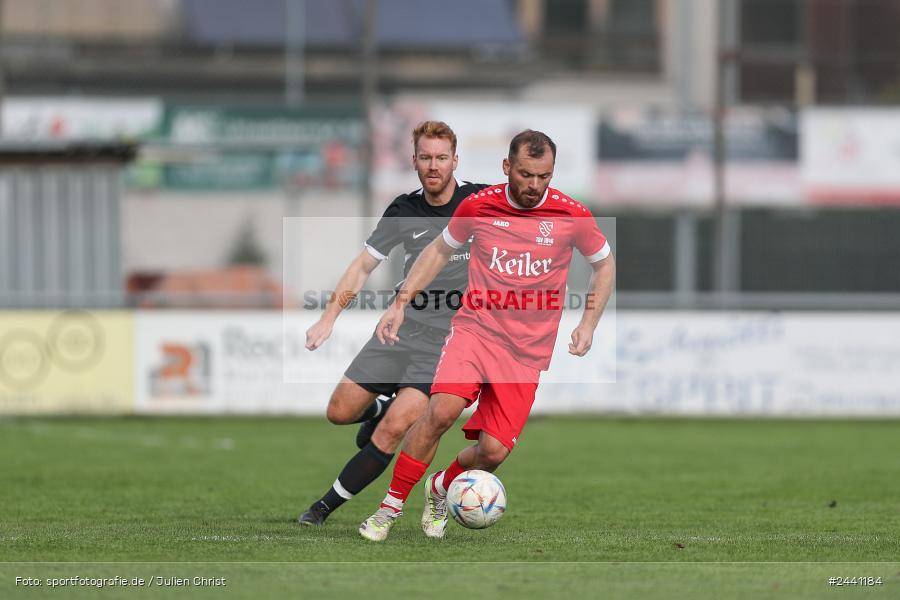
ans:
(386, 439)
(441, 419)
(388, 434)
(339, 411)
(491, 458)
(347, 402)
(337, 415)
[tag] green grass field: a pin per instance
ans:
(624, 507)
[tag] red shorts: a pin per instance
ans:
(476, 369)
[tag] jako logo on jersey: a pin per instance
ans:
(499, 223)
(523, 266)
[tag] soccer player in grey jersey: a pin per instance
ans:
(378, 372)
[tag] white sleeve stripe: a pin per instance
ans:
(375, 253)
(600, 254)
(451, 241)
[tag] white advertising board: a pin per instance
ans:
(851, 155)
(256, 362)
(760, 364)
(669, 363)
(230, 362)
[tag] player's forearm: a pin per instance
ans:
(424, 270)
(347, 288)
(601, 285)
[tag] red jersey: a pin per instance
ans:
(518, 267)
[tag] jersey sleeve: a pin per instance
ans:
(589, 240)
(386, 234)
(461, 224)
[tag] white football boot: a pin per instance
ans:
(377, 527)
(434, 517)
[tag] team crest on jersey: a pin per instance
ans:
(545, 228)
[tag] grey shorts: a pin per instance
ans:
(383, 369)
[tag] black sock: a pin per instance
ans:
(377, 408)
(361, 470)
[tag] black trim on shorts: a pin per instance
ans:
(382, 389)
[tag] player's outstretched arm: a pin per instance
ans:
(600, 288)
(424, 270)
(347, 288)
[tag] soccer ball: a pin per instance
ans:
(476, 499)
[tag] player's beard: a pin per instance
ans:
(523, 197)
(435, 183)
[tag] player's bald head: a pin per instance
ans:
(533, 143)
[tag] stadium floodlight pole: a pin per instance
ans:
(294, 59)
(723, 253)
(369, 81)
(2, 72)
(719, 263)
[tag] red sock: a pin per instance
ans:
(407, 473)
(447, 477)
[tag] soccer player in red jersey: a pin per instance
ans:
(407, 368)
(522, 233)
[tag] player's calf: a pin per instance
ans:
(360, 471)
(489, 455)
(367, 428)
(423, 437)
(407, 408)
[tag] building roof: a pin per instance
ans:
(401, 24)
